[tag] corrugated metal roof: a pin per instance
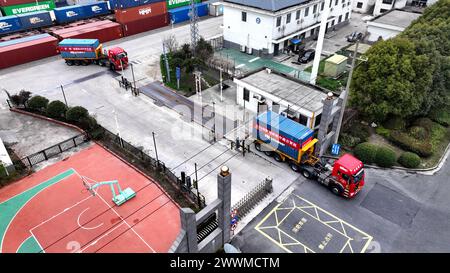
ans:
(79, 42)
(270, 5)
(24, 39)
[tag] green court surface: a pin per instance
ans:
(247, 63)
(12, 206)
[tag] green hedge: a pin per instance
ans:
(409, 160)
(383, 131)
(348, 140)
(38, 103)
(440, 116)
(419, 133)
(76, 114)
(408, 143)
(366, 152)
(395, 123)
(56, 109)
(2, 171)
(425, 123)
(385, 157)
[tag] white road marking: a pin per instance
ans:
(241, 65)
(255, 59)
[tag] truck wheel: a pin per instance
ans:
(268, 153)
(77, 63)
(84, 63)
(336, 189)
(306, 174)
(69, 62)
(111, 66)
(277, 157)
(294, 166)
(258, 147)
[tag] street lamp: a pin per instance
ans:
(214, 119)
(117, 127)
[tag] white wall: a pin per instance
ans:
(378, 30)
(366, 4)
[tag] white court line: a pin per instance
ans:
(241, 65)
(121, 218)
(37, 241)
(101, 237)
(87, 228)
(255, 59)
(63, 211)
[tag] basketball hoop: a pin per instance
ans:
(87, 186)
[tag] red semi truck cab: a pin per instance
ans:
(349, 172)
(118, 57)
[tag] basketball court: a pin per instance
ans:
(56, 210)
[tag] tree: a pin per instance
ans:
(170, 43)
(56, 109)
(38, 103)
(394, 80)
(204, 50)
(21, 98)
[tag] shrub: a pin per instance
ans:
(409, 160)
(348, 140)
(2, 171)
(56, 109)
(418, 132)
(88, 123)
(406, 142)
(21, 98)
(366, 152)
(383, 131)
(440, 116)
(38, 103)
(425, 123)
(76, 114)
(360, 131)
(395, 123)
(96, 133)
(385, 157)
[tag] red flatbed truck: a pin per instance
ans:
(288, 141)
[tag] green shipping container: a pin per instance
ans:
(171, 4)
(30, 7)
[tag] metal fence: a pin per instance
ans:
(251, 199)
(144, 161)
(44, 155)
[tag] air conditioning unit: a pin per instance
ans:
(259, 98)
(279, 29)
(249, 50)
(298, 22)
(343, 5)
(243, 48)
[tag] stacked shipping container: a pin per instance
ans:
(80, 12)
(181, 14)
(14, 7)
(141, 18)
(27, 49)
(104, 31)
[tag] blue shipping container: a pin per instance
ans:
(95, 9)
(10, 24)
(282, 133)
(35, 19)
(181, 14)
(24, 39)
(123, 4)
(69, 14)
(78, 48)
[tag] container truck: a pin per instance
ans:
(87, 51)
(288, 141)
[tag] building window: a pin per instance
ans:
(332, 23)
(343, 1)
(359, 5)
(340, 19)
(314, 9)
(244, 16)
(278, 21)
(322, 6)
(346, 16)
(303, 120)
(288, 18)
(306, 11)
(383, 10)
(331, 3)
(318, 118)
(297, 15)
(246, 94)
(387, 2)
(336, 2)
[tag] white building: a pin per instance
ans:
(282, 94)
(5, 160)
(389, 24)
(377, 7)
(269, 26)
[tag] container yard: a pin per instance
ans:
(34, 20)
(27, 49)
(104, 31)
(181, 14)
(27, 6)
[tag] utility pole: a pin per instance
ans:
(346, 91)
(214, 119)
(64, 95)
(134, 80)
(323, 26)
(221, 84)
(117, 127)
(154, 144)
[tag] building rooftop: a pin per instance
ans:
(336, 59)
(398, 18)
(298, 95)
(270, 5)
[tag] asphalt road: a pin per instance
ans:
(395, 212)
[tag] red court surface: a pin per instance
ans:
(51, 210)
